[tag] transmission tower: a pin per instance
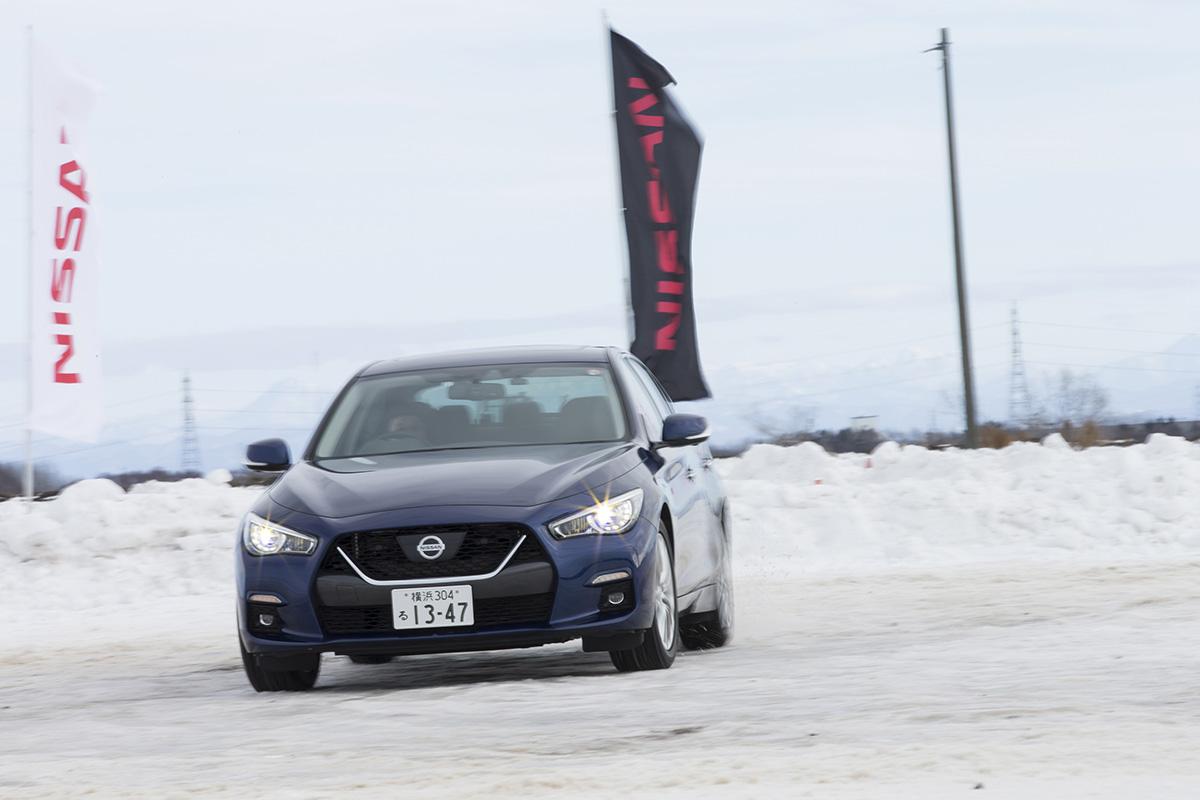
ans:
(189, 460)
(1020, 404)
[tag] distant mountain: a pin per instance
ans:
(1165, 384)
(783, 373)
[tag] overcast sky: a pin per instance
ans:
(261, 164)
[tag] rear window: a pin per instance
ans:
(485, 406)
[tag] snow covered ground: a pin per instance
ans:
(914, 624)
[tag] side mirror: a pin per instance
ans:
(269, 455)
(681, 430)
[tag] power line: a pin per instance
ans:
(865, 348)
(132, 440)
(254, 411)
(1114, 349)
(762, 380)
(1116, 366)
(887, 383)
(104, 445)
(1110, 329)
(270, 391)
(253, 428)
(266, 426)
(20, 423)
(154, 396)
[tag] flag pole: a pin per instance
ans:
(29, 264)
(630, 330)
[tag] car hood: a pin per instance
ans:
(524, 476)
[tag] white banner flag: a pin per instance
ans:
(65, 349)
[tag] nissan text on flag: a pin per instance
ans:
(64, 397)
(659, 154)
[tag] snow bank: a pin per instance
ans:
(800, 508)
(795, 509)
(97, 544)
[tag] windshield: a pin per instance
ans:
(485, 406)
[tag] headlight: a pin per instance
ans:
(265, 538)
(610, 515)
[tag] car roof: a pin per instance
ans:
(533, 354)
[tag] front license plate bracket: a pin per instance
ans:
(433, 607)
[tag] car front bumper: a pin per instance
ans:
(301, 623)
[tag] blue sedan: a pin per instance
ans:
(487, 500)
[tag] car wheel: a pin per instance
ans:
(265, 679)
(661, 641)
(370, 659)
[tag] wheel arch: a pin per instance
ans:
(664, 516)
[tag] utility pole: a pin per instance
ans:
(964, 329)
(190, 456)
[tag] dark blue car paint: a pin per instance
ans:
(484, 476)
(532, 485)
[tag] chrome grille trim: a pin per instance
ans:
(431, 581)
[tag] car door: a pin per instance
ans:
(710, 483)
(680, 477)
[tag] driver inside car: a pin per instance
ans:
(408, 424)
(405, 428)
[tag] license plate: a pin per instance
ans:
(432, 607)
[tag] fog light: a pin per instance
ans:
(266, 599)
(616, 597)
(264, 620)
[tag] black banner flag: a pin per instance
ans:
(660, 160)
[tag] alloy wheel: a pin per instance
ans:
(664, 596)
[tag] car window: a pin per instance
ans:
(653, 388)
(483, 406)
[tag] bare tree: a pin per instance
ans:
(1077, 397)
(783, 421)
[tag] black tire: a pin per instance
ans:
(265, 679)
(713, 629)
(653, 653)
(370, 659)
